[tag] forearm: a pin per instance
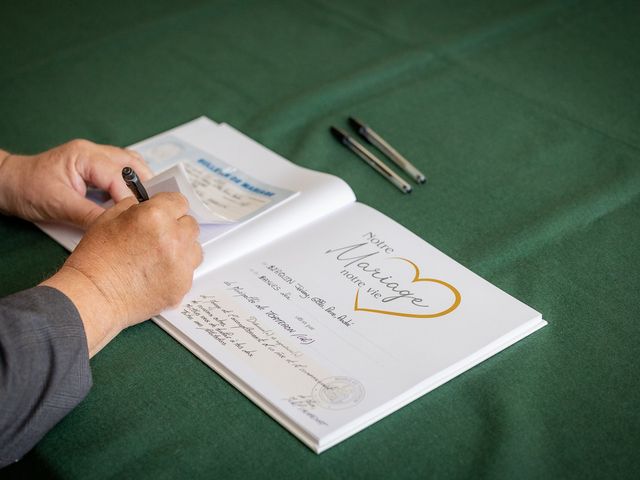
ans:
(44, 367)
(99, 318)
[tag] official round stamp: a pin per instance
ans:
(338, 393)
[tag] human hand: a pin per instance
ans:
(134, 261)
(52, 185)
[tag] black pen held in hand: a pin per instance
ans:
(135, 185)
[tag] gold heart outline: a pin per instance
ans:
(416, 278)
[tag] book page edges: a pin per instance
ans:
(430, 384)
(364, 421)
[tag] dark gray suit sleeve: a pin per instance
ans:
(44, 367)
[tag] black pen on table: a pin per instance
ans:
(376, 140)
(373, 161)
(130, 177)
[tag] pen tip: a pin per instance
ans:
(355, 123)
(337, 133)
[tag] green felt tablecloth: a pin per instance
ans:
(525, 116)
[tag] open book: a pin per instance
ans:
(324, 312)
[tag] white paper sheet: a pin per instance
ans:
(344, 321)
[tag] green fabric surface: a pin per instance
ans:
(525, 117)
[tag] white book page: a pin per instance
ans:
(344, 321)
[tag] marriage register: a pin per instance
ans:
(324, 312)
